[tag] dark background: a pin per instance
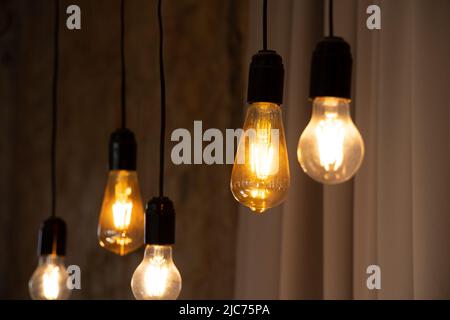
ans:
(205, 42)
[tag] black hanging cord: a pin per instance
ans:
(265, 25)
(54, 107)
(122, 62)
(163, 101)
(330, 18)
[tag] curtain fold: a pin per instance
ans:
(431, 150)
(302, 216)
(396, 212)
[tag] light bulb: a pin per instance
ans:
(157, 277)
(49, 280)
(330, 149)
(121, 223)
(260, 177)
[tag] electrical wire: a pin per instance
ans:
(122, 62)
(163, 100)
(264, 25)
(330, 18)
(54, 108)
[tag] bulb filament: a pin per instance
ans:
(156, 277)
(330, 134)
(122, 207)
(262, 155)
(51, 283)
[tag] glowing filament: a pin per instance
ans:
(264, 151)
(330, 134)
(51, 283)
(156, 277)
(122, 207)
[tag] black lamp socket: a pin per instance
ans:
(331, 69)
(160, 222)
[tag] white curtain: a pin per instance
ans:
(396, 212)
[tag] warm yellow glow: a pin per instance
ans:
(260, 177)
(330, 135)
(51, 283)
(331, 101)
(49, 280)
(263, 157)
(330, 149)
(157, 277)
(121, 223)
(258, 193)
(122, 207)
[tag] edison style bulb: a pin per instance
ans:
(260, 177)
(121, 224)
(49, 280)
(157, 277)
(330, 149)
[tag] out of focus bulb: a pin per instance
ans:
(157, 277)
(121, 223)
(260, 178)
(330, 149)
(49, 280)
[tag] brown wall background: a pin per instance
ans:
(205, 43)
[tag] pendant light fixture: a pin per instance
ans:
(49, 280)
(260, 178)
(120, 226)
(157, 277)
(331, 149)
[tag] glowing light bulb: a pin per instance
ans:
(260, 178)
(330, 149)
(49, 280)
(157, 277)
(121, 223)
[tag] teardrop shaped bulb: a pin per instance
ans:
(121, 222)
(260, 178)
